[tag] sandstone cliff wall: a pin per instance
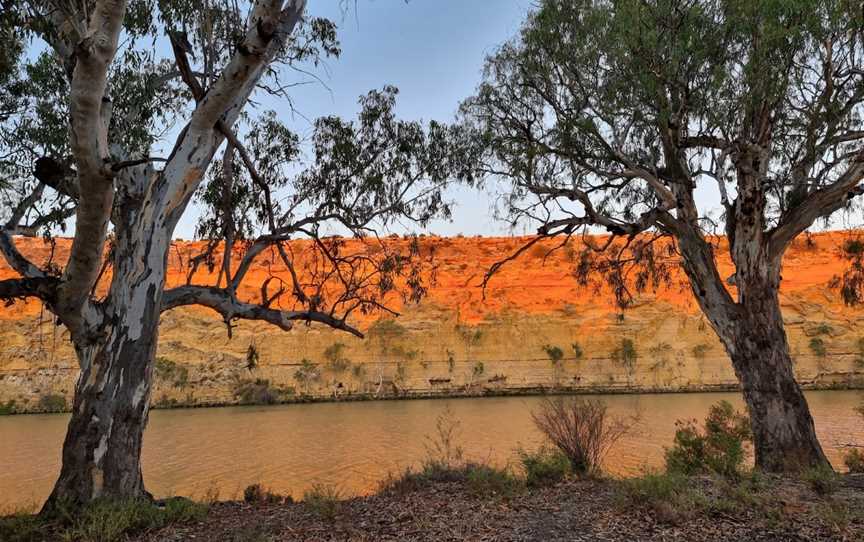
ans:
(536, 330)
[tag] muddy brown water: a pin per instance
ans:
(289, 448)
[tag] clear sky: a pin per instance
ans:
(432, 50)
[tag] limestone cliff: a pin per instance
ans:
(536, 329)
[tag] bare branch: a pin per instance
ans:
(223, 302)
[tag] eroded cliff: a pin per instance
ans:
(535, 329)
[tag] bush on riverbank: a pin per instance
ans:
(581, 430)
(544, 467)
(719, 449)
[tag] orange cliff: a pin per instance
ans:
(456, 340)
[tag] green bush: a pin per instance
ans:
(259, 392)
(103, 520)
(578, 353)
(625, 353)
(172, 372)
(323, 501)
(719, 449)
(854, 461)
(545, 467)
(7, 408)
(555, 354)
(486, 481)
(817, 346)
(822, 479)
(255, 493)
(700, 350)
(336, 360)
(52, 402)
(670, 496)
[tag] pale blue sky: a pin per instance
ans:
(432, 50)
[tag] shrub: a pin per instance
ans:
(720, 449)
(172, 372)
(580, 429)
(336, 360)
(52, 402)
(478, 369)
(822, 479)
(7, 408)
(625, 353)
(555, 354)
(545, 467)
(486, 481)
(259, 392)
(255, 493)
(578, 353)
(442, 449)
(700, 350)
(307, 373)
(101, 521)
(670, 496)
(323, 501)
(817, 346)
(854, 461)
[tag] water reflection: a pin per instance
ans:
(354, 445)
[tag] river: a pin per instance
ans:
(353, 445)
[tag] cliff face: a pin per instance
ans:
(536, 329)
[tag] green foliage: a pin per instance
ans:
(823, 329)
(260, 392)
(490, 482)
(625, 354)
(822, 479)
(8, 408)
(471, 335)
(323, 501)
(478, 369)
(255, 493)
(172, 372)
(670, 496)
(335, 356)
(52, 402)
(854, 461)
(700, 350)
(544, 467)
(578, 353)
(817, 346)
(104, 520)
(719, 449)
(451, 360)
(555, 354)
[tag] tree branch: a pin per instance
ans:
(223, 302)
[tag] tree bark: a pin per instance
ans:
(784, 434)
(783, 431)
(102, 450)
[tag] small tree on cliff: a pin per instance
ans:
(612, 115)
(88, 95)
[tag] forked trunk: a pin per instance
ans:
(783, 431)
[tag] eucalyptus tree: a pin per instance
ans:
(610, 115)
(92, 90)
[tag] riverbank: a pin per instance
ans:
(495, 506)
(61, 407)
